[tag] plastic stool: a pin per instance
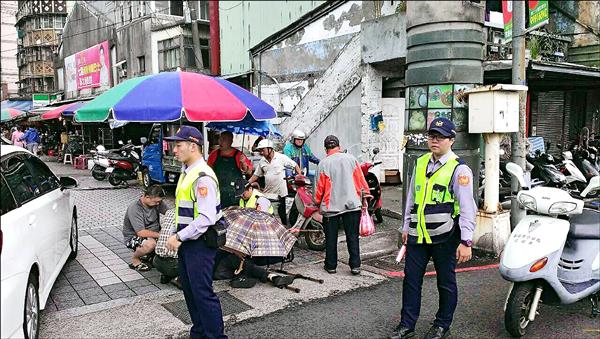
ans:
(70, 157)
(80, 162)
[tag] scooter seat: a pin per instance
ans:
(585, 225)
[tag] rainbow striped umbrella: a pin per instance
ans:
(10, 114)
(169, 96)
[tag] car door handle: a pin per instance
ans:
(32, 219)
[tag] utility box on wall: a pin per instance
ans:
(494, 108)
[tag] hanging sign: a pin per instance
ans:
(507, 9)
(538, 13)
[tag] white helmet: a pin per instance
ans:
(298, 134)
(100, 148)
(265, 143)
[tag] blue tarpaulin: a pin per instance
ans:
(248, 125)
(22, 105)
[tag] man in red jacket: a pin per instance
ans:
(340, 192)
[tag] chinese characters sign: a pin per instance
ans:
(89, 68)
(538, 15)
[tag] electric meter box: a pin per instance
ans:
(494, 109)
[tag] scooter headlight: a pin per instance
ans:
(562, 207)
(527, 201)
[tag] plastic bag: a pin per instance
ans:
(367, 226)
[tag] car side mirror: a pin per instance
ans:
(67, 182)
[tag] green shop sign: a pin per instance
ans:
(41, 100)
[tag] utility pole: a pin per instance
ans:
(196, 35)
(519, 77)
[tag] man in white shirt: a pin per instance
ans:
(272, 167)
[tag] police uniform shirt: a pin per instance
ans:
(206, 191)
(462, 187)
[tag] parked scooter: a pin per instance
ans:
(305, 217)
(375, 203)
(553, 254)
(125, 167)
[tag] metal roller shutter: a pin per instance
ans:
(548, 118)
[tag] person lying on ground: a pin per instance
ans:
(244, 273)
(142, 224)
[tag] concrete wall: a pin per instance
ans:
(342, 122)
(245, 23)
(587, 12)
(392, 30)
(9, 72)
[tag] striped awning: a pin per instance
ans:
(22, 105)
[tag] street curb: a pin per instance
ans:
(391, 213)
(400, 274)
(376, 254)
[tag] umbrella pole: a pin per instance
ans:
(243, 139)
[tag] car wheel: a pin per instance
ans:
(31, 311)
(74, 238)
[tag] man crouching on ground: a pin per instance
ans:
(141, 226)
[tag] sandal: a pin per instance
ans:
(140, 268)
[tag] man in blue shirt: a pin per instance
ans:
(31, 138)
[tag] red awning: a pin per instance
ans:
(55, 113)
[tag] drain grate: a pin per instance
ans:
(229, 305)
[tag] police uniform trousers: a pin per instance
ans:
(416, 260)
(196, 262)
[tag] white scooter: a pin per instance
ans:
(552, 255)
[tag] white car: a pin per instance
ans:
(37, 235)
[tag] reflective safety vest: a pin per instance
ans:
(186, 205)
(435, 209)
(251, 203)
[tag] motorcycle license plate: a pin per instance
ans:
(109, 169)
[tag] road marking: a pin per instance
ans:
(398, 274)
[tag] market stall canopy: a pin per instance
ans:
(167, 96)
(21, 105)
(64, 110)
(247, 126)
(56, 112)
(11, 114)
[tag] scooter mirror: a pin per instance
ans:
(120, 142)
(143, 140)
(375, 150)
(593, 186)
(516, 171)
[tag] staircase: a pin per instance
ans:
(342, 76)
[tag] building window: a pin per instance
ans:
(46, 22)
(142, 64)
(176, 8)
(142, 8)
(168, 54)
(36, 23)
(203, 10)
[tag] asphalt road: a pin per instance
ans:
(374, 312)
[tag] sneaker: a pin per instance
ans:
(330, 270)
(355, 271)
(164, 279)
(176, 283)
(401, 332)
(436, 332)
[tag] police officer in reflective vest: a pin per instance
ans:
(251, 197)
(197, 205)
(439, 222)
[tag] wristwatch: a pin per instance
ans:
(467, 243)
(177, 237)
